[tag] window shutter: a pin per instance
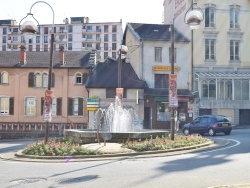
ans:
(80, 106)
(59, 106)
(70, 106)
(53, 80)
(42, 103)
(84, 78)
(11, 107)
(31, 79)
(0, 77)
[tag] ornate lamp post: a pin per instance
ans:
(193, 17)
(29, 29)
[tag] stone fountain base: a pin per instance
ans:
(86, 136)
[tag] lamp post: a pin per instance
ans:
(193, 18)
(122, 52)
(29, 29)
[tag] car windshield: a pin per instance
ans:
(221, 119)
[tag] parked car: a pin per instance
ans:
(210, 124)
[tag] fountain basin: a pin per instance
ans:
(87, 136)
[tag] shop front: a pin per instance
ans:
(157, 111)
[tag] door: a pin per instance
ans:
(244, 117)
(147, 115)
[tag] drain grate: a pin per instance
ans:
(28, 180)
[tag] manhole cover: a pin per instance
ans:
(28, 180)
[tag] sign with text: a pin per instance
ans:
(179, 6)
(173, 99)
(93, 104)
(47, 107)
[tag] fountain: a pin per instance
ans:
(115, 124)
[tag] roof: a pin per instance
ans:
(156, 32)
(73, 59)
(222, 75)
(164, 92)
(105, 75)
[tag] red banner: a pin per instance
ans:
(173, 99)
(47, 107)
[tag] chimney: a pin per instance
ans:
(61, 55)
(22, 55)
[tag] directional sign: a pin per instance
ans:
(93, 104)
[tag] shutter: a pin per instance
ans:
(53, 80)
(42, 104)
(80, 106)
(84, 78)
(59, 106)
(70, 106)
(31, 79)
(11, 107)
(0, 77)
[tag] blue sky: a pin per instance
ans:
(138, 11)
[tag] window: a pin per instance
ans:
(38, 39)
(75, 106)
(163, 111)
(114, 28)
(40, 80)
(98, 37)
(4, 31)
(69, 46)
(15, 39)
(106, 37)
(106, 28)
(45, 39)
(111, 93)
(98, 28)
(113, 37)
(170, 55)
(46, 48)
(56, 106)
(4, 78)
(161, 80)
(234, 50)
(241, 89)
(234, 17)
(106, 46)
(158, 54)
(210, 16)
(89, 28)
(30, 48)
(113, 46)
(70, 37)
(208, 89)
(4, 39)
(78, 77)
(209, 49)
(105, 54)
(6, 105)
(38, 48)
(89, 37)
(30, 106)
(70, 29)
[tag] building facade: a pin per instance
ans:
(149, 54)
(219, 59)
(78, 34)
(24, 79)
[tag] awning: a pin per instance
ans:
(222, 75)
(160, 92)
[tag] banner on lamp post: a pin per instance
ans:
(173, 99)
(47, 107)
(119, 95)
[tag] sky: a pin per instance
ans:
(137, 11)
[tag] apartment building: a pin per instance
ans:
(76, 34)
(219, 58)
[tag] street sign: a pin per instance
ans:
(93, 104)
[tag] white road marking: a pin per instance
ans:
(236, 144)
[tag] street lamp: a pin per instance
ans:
(122, 52)
(29, 29)
(193, 18)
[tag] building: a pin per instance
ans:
(78, 34)
(149, 54)
(24, 79)
(219, 58)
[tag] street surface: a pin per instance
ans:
(222, 166)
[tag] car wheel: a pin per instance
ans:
(186, 132)
(211, 132)
(227, 132)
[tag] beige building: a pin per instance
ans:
(218, 58)
(24, 79)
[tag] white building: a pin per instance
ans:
(77, 35)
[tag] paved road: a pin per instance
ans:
(223, 166)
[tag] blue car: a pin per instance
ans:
(210, 124)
